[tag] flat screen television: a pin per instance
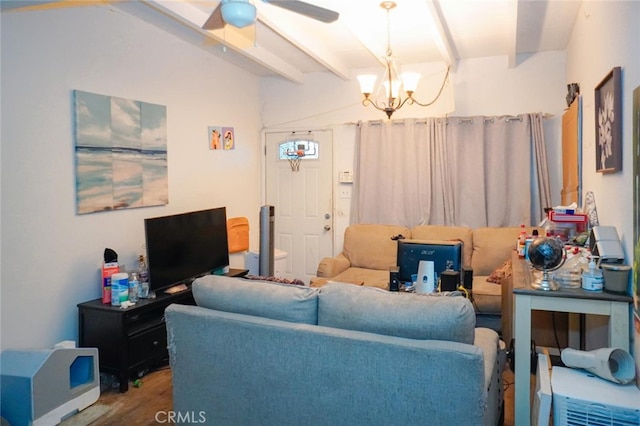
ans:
(444, 254)
(184, 246)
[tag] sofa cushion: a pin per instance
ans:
(447, 233)
(487, 296)
(492, 246)
(370, 246)
(267, 299)
(408, 315)
(362, 276)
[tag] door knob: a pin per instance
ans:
(327, 228)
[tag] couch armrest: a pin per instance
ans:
(517, 279)
(494, 362)
(331, 266)
(489, 341)
(507, 309)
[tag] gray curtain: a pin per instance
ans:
(468, 171)
(540, 168)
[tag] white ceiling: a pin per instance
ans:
(289, 45)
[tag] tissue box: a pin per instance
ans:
(580, 220)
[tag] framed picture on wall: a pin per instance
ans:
(608, 108)
(635, 140)
(120, 154)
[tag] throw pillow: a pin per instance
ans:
(503, 271)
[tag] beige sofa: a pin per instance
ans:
(369, 252)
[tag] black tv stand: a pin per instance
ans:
(186, 285)
(177, 288)
(234, 272)
(131, 341)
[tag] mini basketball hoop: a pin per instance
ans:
(294, 157)
(294, 162)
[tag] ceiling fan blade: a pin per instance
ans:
(215, 21)
(315, 12)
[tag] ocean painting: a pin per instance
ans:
(121, 153)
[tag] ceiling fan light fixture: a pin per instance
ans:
(238, 13)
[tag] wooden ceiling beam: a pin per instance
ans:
(512, 33)
(304, 40)
(442, 35)
(231, 37)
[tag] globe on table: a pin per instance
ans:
(546, 254)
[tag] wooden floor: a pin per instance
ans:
(149, 404)
(144, 405)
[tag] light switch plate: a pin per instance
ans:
(346, 176)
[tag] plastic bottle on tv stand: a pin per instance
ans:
(143, 278)
(134, 287)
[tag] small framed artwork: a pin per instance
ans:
(221, 138)
(608, 108)
(215, 136)
(228, 138)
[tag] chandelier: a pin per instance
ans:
(392, 81)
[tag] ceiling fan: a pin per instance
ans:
(241, 13)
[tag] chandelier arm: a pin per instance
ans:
(368, 101)
(404, 101)
(389, 110)
(444, 82)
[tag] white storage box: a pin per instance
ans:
(252, 263)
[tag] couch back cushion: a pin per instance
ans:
(370, 246)
(266, 299)
(447, 233)
(413, 316)
(492, 246)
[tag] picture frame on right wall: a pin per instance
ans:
(608, 109)
(635, 140)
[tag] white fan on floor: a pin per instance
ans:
(242, 13)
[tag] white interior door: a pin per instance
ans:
(302, 199)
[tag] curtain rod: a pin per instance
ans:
(469, 120)
(463, 120)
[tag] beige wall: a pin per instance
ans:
(50, 255)
(606, 35)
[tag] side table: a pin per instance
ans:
(130, 341)
(617, 307)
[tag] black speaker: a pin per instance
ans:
(467, 277)
(449, 280)
(266, 261)
(394, 282)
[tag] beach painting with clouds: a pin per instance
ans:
(121, 153)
